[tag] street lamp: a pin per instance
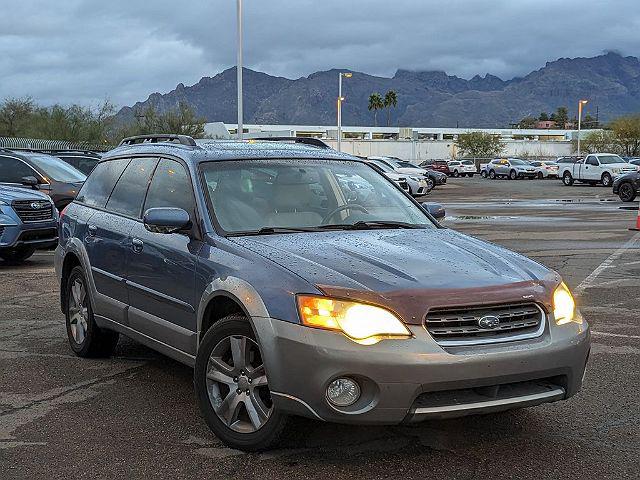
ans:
(581, 105)
(340, 100)
(240, 131)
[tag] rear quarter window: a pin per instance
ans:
(96, 190)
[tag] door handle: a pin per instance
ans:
(92, 230)
(137, 245)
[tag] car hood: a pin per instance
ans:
(411, 171)
(9, 194)
(408, 271)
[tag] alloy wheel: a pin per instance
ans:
(627, 193)
(78, 311)
(237, 384)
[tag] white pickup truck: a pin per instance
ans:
(595, 168)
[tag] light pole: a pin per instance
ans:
(581, 104)
(340, 100)
(240, 132)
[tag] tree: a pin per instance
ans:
(14, 115)
(181, 120)
(597, 142)
(544, 117)
(528, 122)
(561, 117)
(590, 122)
(390, 101)
(626, 131)
(375, 103)
(479, 144)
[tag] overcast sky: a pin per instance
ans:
(83, 51)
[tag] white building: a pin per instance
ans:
(414, 144)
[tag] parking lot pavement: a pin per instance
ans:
(135, 416)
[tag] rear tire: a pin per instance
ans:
(483, 174)
(456, 173)
(606, 179)
(567, 179)
(626, 192)
(223, 375)
(85, 337)
(540, 176)
(17, 254)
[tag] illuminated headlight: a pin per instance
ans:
(362, 323)
(564, 306)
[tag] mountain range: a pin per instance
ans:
(610, 82)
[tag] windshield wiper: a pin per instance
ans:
(275, 231)
(362, 225)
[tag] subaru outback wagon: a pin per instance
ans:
(293, 294)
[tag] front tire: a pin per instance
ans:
(85, 337)
(513, 175)
(232, 387)
(483, 174)
(17, 254)
(626, 192)
(606, 179)
(540, 176)
(567, 179)
(456, 174)
(492, 174)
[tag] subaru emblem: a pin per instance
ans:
(490, 322)
(35, 205)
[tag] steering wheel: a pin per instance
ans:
(341, 208)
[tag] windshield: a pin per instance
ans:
(609, 159)
(268, 196)
(383, 166)
(57, 169)
(517, 162)
(404, 164)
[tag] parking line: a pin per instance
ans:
(617, 335)
(588, 282)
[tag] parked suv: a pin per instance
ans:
(49, 174)
(511, 168)
(85, 161)
(28, 221)
(255, 264)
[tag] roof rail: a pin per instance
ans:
(314, 142)
(161, 138)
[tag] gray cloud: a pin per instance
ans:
(86, 51)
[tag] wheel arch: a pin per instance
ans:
(75, 255)
(226, 297)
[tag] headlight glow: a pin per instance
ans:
(564, 306)
(362, 323)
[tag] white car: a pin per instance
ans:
(462, 168)
(418, 184)
(596, 168)
(545, 169)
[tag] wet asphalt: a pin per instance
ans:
(134, 415)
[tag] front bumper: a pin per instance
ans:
(416, 379)
(38, 235)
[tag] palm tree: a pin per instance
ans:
(375, 103)
(390, 100)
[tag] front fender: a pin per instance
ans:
(238, 290)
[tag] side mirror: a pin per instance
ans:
(30, 181)
(435, 209)
(166, 220)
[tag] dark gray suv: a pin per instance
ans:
(300, 281)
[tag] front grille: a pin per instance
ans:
(1, 231)
(47, 234)
(31, 211)
(477, 325)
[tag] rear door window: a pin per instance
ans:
(96, 190)
(13, 170)
(129, 192)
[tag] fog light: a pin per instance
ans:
(343, 392)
